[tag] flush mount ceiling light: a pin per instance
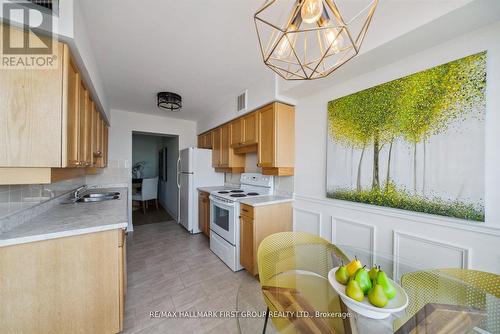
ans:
(170, 101)
(309, 39)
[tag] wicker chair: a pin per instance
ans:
(297, 264)
(454, 286)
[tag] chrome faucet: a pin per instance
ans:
(76, 195)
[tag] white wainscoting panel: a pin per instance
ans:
(306, 221)
(411, 250)
(355, 234)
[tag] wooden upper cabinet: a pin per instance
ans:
(73, 118)
(237, 134)
(276, 140)
(244, 132)
(267, 135)
(30, 113)
(225, 135)
(94, 135)
(205, 140)
(105, 149)
(216, 149)
(250, 129)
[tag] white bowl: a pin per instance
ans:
(397, 304)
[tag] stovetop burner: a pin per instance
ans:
(223, 192)
(238, 195)
(252, 194)
(237, 191)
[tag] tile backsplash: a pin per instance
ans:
(283, 185)
(16, 198)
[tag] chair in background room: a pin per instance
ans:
(149, 191)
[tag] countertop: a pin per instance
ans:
(64, 220)
(266, 200)
(210, 189)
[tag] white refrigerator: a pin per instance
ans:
(194, 169)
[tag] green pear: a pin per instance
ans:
(373, 272)
(342, 275)
(361, 276)
(354, 291)
(377, 296)
(386, 284)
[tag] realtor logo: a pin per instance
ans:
(27, 37)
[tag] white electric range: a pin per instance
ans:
(224, 215)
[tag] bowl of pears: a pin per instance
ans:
(367, 292)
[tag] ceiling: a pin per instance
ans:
(205, 50)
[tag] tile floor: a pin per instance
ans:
(171, 270)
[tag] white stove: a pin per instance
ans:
(224, 215)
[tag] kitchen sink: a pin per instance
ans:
(99, 195)
(88, 198)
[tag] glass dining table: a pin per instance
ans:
(439, 300)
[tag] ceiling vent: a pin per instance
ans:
(242, 101)
(51, 6)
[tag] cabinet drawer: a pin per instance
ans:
(246, 210)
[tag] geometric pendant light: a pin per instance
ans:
(309, 39)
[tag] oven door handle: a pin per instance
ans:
(221, 204)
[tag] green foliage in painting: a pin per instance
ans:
(392, 197)
(411, 109)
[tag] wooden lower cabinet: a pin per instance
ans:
(204, 213)
(66, 285)
(256, 223)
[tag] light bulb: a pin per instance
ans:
(333, 38)
(311, 10)
(284, 47)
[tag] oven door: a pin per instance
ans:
(222, 219)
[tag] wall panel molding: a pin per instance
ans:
(316, 215)
(338, 221)
(398, 236)
(406, 215)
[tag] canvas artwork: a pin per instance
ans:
(415, 143)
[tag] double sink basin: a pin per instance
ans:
(98, 197)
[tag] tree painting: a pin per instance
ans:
(417, 142)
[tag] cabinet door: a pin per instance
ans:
(30, 112)
(246, 243)
(225, 138)
(105, 148)
(266, 136)
(250, 129)
(73, 122)
(237, 133)
(216, 150)
(201, 141)
(209, 140)
(88, 130)
(82, 92)
(94, 136)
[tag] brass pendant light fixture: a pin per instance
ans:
(309, 39)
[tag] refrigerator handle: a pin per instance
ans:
(178, 172)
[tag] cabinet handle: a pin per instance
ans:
(244, 210)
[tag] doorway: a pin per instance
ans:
(155, 194)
